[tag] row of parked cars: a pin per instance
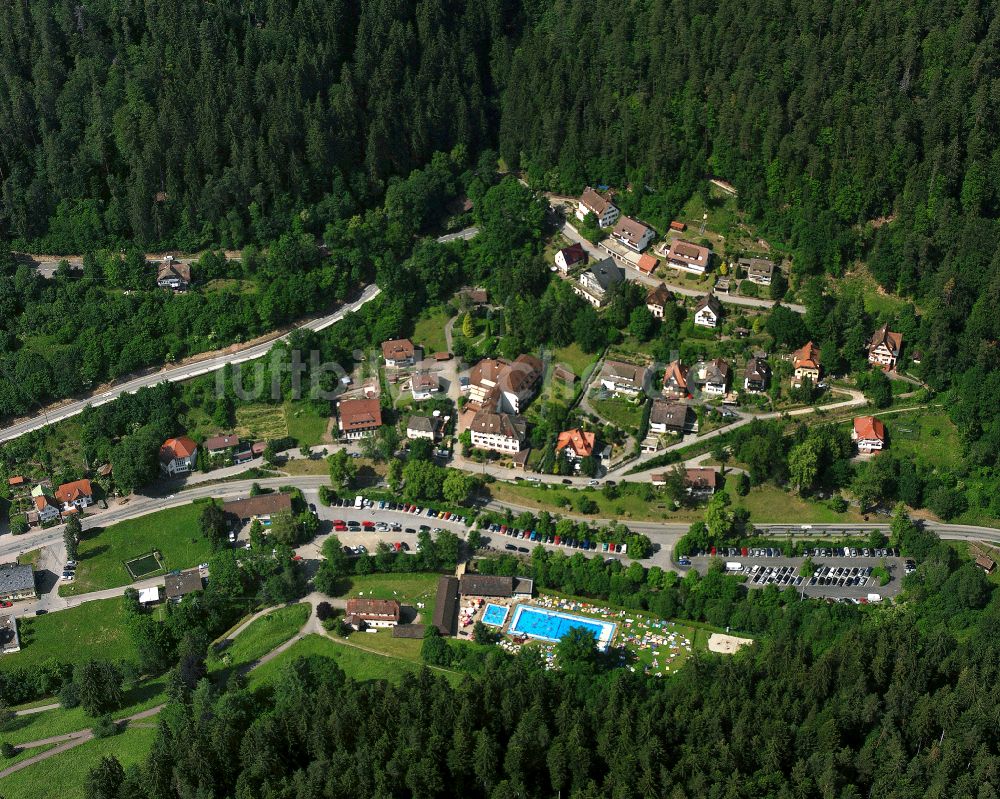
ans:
(842, 576)
(545, 538)
(766, 575)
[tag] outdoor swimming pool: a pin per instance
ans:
(495, 615)
(551, 625)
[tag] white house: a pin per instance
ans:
(506, 386)
(75, 496)
(173, 275)
(714, 376)
(759, 270)
(499, 432)
(708, 311)
(595, 283)
(362, 613)
(688, 257)
(46, 509)
(633, 234)
(423, 385)
(571, 256)
(591, 202)
(178, 456)
(421, 427)
(868, 434)
(623, 378)
(884, 347)
(399, 352)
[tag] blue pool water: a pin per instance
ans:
(495, 615)
(551, 625)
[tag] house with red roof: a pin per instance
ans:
(868, 434)
(178, 456)
(577, 443)
(75, 496)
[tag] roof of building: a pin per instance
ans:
(761, 267)
(187, 582)
(477, 296)
(409, 631)
(985, 563)
(716, 371)
(593, 201)
(700, 478)
(622, 372)
(675, 374)
(422, 424)
(487, 371)
(373, 608)
(757, 369)
(171, 270)
(660, 295)
(177, 448)
(15, 577)
(71, 492)
(260, 505)
(524, 585)
(607, 273)
(671, 414)
(224, 441)
(806, 357)
(581, 442)
(16, 480)
(499, 424)
(359, 414)
(151, 594)
(647, 263)
(9, 641)
(688, 253)
(486, 585)
(869, 428)
(630, 230)
(711, 302)
(398, 349)
(573, 254)
(524, 372)
(446, 606)
(42, 502)
(425, 381)
(885, 337)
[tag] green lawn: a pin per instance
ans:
(621, 412)
(263, 635)
(261, 421)
(429, 330)
(928, 436)
(409, 589)
(306, 421)
(769, 504)
(64, 775)
(575, 358)
(91, 630)
(174, 532)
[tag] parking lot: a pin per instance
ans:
(835, 576)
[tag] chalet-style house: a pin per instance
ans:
(689, 257)
(221, 445)
(701, 482)
(759, 270)
(363, 613)
(884, 347)
(422, 427)
(708, 311)
(177, 586)
(241, 512)
(675, 384)
(714, 377)
(45, 509)
(805, 362)
(498, 432)
(504, 385)
(624, 378)
(657, 299)
(591, 202)
(75, 496)
(668, 417)
(594, 283)
(172, 275)
(178, 456)
(647, 264)
(633, 234)
(359, 417)
(399, 352)
(424, 385)
(571, 256)
(757, 375)
(576, 443)
(868, 434)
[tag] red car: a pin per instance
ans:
(339, 523)
(6, 604)
(367, 523)
(296, 557)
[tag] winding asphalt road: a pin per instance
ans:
(185, 371)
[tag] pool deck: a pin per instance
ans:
(608, 628)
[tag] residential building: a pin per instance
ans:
(423, 385)
(495, 586)
(149, 596)
(633, 234)
(714, 377)
(17, 482)
(657, 300)
(595, 283)
(647, 263)
(708, 311)
(571, 256)
(75, 496)
(591, 202)
(757, 375)
(178, 456)
(503, 385)
(884, 347)
(262, 507)
(16, 582)
(9, 640)
(178, 586)
(173, 275)
(689, 257)
(868, 434)
(759, 270)
(45, 509)
(805, 362)
(221, 445)
(359, 417)
(668, 417)
(624, 378)
(399, 352)
(421, 427)
(498, 432)
(675, 384)
(476, 296)
(700, 482)
(362, 613)
(483, 378)
(577, 443)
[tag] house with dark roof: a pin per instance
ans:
(595, 283)
(623, 378)
(220, 445)
(708, 311)
(669, 417)
(591, 202)
(358, 418)
(173, 275)
(496, 586)
(178, 456)
(498, 432)
(689, 257)
(446, 606)
(759, 270)
(178, 586)
(422, 427)
(571, 256)
(17, 582)
(657, 300)
(363, 613)
(714, 377)
(884, 347)
(633, 234)
(701, 482)
(423, 385)
(757, 375)
(261, 507)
